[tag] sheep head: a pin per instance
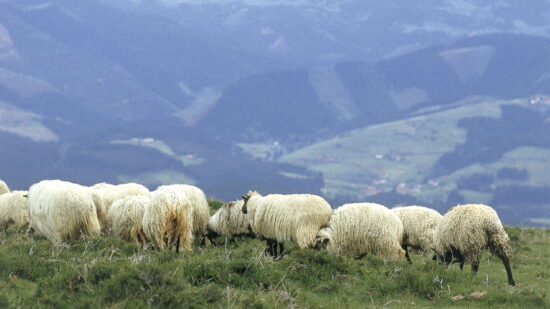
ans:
(246, 197)
(322, 239)
(320, 243)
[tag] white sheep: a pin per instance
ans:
(358, 229)
(125, 218)
(281, 219)
(102, 186)
(229, 221)
(466, 230)
(62, 211)
(3, 187)
(169, 219)
(106, 194)
(201, 210)
(14, 209)
(98, 190)
(419, 224)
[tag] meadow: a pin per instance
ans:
(107, 272)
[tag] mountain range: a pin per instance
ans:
(437, 103)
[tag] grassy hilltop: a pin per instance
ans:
(107, 272)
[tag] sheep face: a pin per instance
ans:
(320, 243)
(247, 197)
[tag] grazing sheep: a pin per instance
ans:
(419, 224)
(62, 211)
(358, 229)
(169, 219)
(282, 218)
(14, 209)
(98, 190)
(229, 221)
(3, 187)
(466, 230)
(125, 218)
(201, 210)
(106, 194)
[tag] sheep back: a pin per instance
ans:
(201, 210)
(419, 224)
(106, 194)
(288, 218)
(229, 220)
(357, 229)
(62, 211)
(471, 228)
(14, 209)
(125, 218)
(168, 218)
(3, 187)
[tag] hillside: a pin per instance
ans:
(213, 93)
(298, 106)
(107, 272)
(474, 151)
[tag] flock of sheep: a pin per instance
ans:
(173, 215)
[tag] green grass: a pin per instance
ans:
(109, 273)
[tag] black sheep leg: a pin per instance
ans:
(279, 254)
(506, 262)
(271, 247)
(178, 245)
(475, 267)
(457, 256)
(406, 248)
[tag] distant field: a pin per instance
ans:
(401, 156)
(109, 273)
(391, 153)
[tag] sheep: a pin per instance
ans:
(102, 186)
(98, 190)
(13, 209)
(62, 211)
(201, 211)
(229, 221)
(3, 187)
(106, 194)
(169, 219)
(281, 219)
(419, 224)
(358, 229)
(466, 230)
(125, 218)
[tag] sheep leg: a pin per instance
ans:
(475, 267)
(269, 250)
(279, 254)
(407, 254)
(178, 244)
(275, 249)
(458, 255)
(506, 261)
